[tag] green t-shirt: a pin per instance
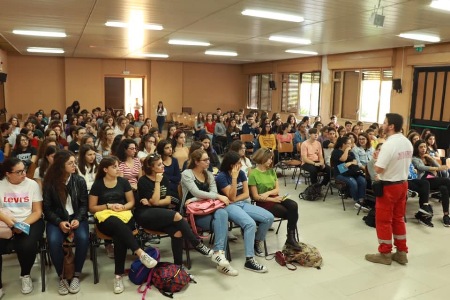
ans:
(264, 181)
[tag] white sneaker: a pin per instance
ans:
(118, 285)
(147, 260)
(63, 287)
(228, 270)
(74, 286)
(27, 284)
(220, 259)
(1, 293)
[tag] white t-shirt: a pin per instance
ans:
(18, 198)
(395, 158)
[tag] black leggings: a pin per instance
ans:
(422, 187)
(443, 185)
(162, 219)
(287, 209)
(25, 246)
(122, 235)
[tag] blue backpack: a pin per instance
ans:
(139, 273)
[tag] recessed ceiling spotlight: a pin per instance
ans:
(189, 43)
(221, 53)
(45, 50)
(272, 15)
(40, 33)
(291, 40)
(420, 37)
(301, 52)
(441, 4)
(126, 25)
(156, 55)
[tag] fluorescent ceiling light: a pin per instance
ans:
(441, 4)
(221, 53)
(301, 52)
(126, 25)
(188, 43)
(272, 15)
(157, 55)
(40, 33)
(287, 39)
(45, 50)
(420, 37)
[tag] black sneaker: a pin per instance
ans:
(446, 220)
(412, 194)
(252, 265)
(204, 250)
(426, 210)
(259, 248)
(423, 219)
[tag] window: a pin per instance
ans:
(362, 95)
(300, 93)
(259, 92)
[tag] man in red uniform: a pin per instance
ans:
(392, 168)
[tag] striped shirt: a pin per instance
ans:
(131, 174)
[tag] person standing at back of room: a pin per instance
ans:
(392, 168)
(161, 113)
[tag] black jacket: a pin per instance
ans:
(54, 211)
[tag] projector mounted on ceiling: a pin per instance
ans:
(377, 17)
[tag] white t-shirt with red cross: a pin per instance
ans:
(395, 158)
(18, 198)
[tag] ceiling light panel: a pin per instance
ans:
(155, 55)
(291, 40)
(295, 51)
(420, 37)
(272, 15)
(189, 43)
(40, 33)
(127, 25)
(221, 53)
(45, 50)
(441, 4)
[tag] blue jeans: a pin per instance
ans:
(55, 239)
(357, 186)
(246, 215)
(219, 227)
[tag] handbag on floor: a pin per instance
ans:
(69, 259)
(308, 256)
(280, 258)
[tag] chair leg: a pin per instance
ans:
(279, 225)
(93, 248)
(42, 258)
(228, 252)
(188, 256)
(265, 248)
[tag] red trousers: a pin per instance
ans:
(389, 215)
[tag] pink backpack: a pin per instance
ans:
(202, 208)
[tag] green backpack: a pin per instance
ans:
(309, 256)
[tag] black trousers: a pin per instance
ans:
(313, 171)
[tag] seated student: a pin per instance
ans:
(300, 135)
(179, 149)
(87, 164)
(363, 151)
(194, 146)
(65, 209)
(74, 145)
(24, 151)
(157, 211)
(111, 200)
(264, 189)
(171, 166)
(232, 183)
(239, 147)
(147, 146)
(15, 185)
(266, 138)
(427, 169)
(312, 159)
(328, 145)
(213, 158)
(346, 169)
(198, 184)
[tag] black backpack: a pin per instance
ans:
(311, 193)
(370, 218)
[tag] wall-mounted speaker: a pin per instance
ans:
(3, 77)
(272, 85)
(397, 85)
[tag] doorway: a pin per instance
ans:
(125, 94)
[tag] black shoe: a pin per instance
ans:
(204, 250)
(426, 210)
(423, 219)
(252, 265)
(446, 220)
(259, 248)
(412, 194)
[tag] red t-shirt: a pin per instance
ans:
(210, 126)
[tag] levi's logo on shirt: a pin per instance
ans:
(10, 198)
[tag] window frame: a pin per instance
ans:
(286, 102)
(263, 94)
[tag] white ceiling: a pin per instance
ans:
(333, 26)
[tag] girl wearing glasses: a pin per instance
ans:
(27, 208)
(264, 189)
(24, 151)
(152, 211)
(198, 183)
(65, 209)
(363, 151)
(146, 146)
(130, 166)
(239, 147)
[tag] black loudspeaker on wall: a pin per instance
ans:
(272, 85)
(3, 77)
(397, 85)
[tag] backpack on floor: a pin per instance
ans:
(370, 218)
(311, 193)
(309, 256)
(169, 278)
(139, 273)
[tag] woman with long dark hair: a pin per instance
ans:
(65, 209)
(44, 164)
(239, 147)
(179, 150)
(26, 208)
(111, 197)
(153, 209)
(87, 164)
(171, 166)
(24, 151)
(213, 158)
(161, 113)
(146, 146)
(129, 165)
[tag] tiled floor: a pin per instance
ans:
(342, 238)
